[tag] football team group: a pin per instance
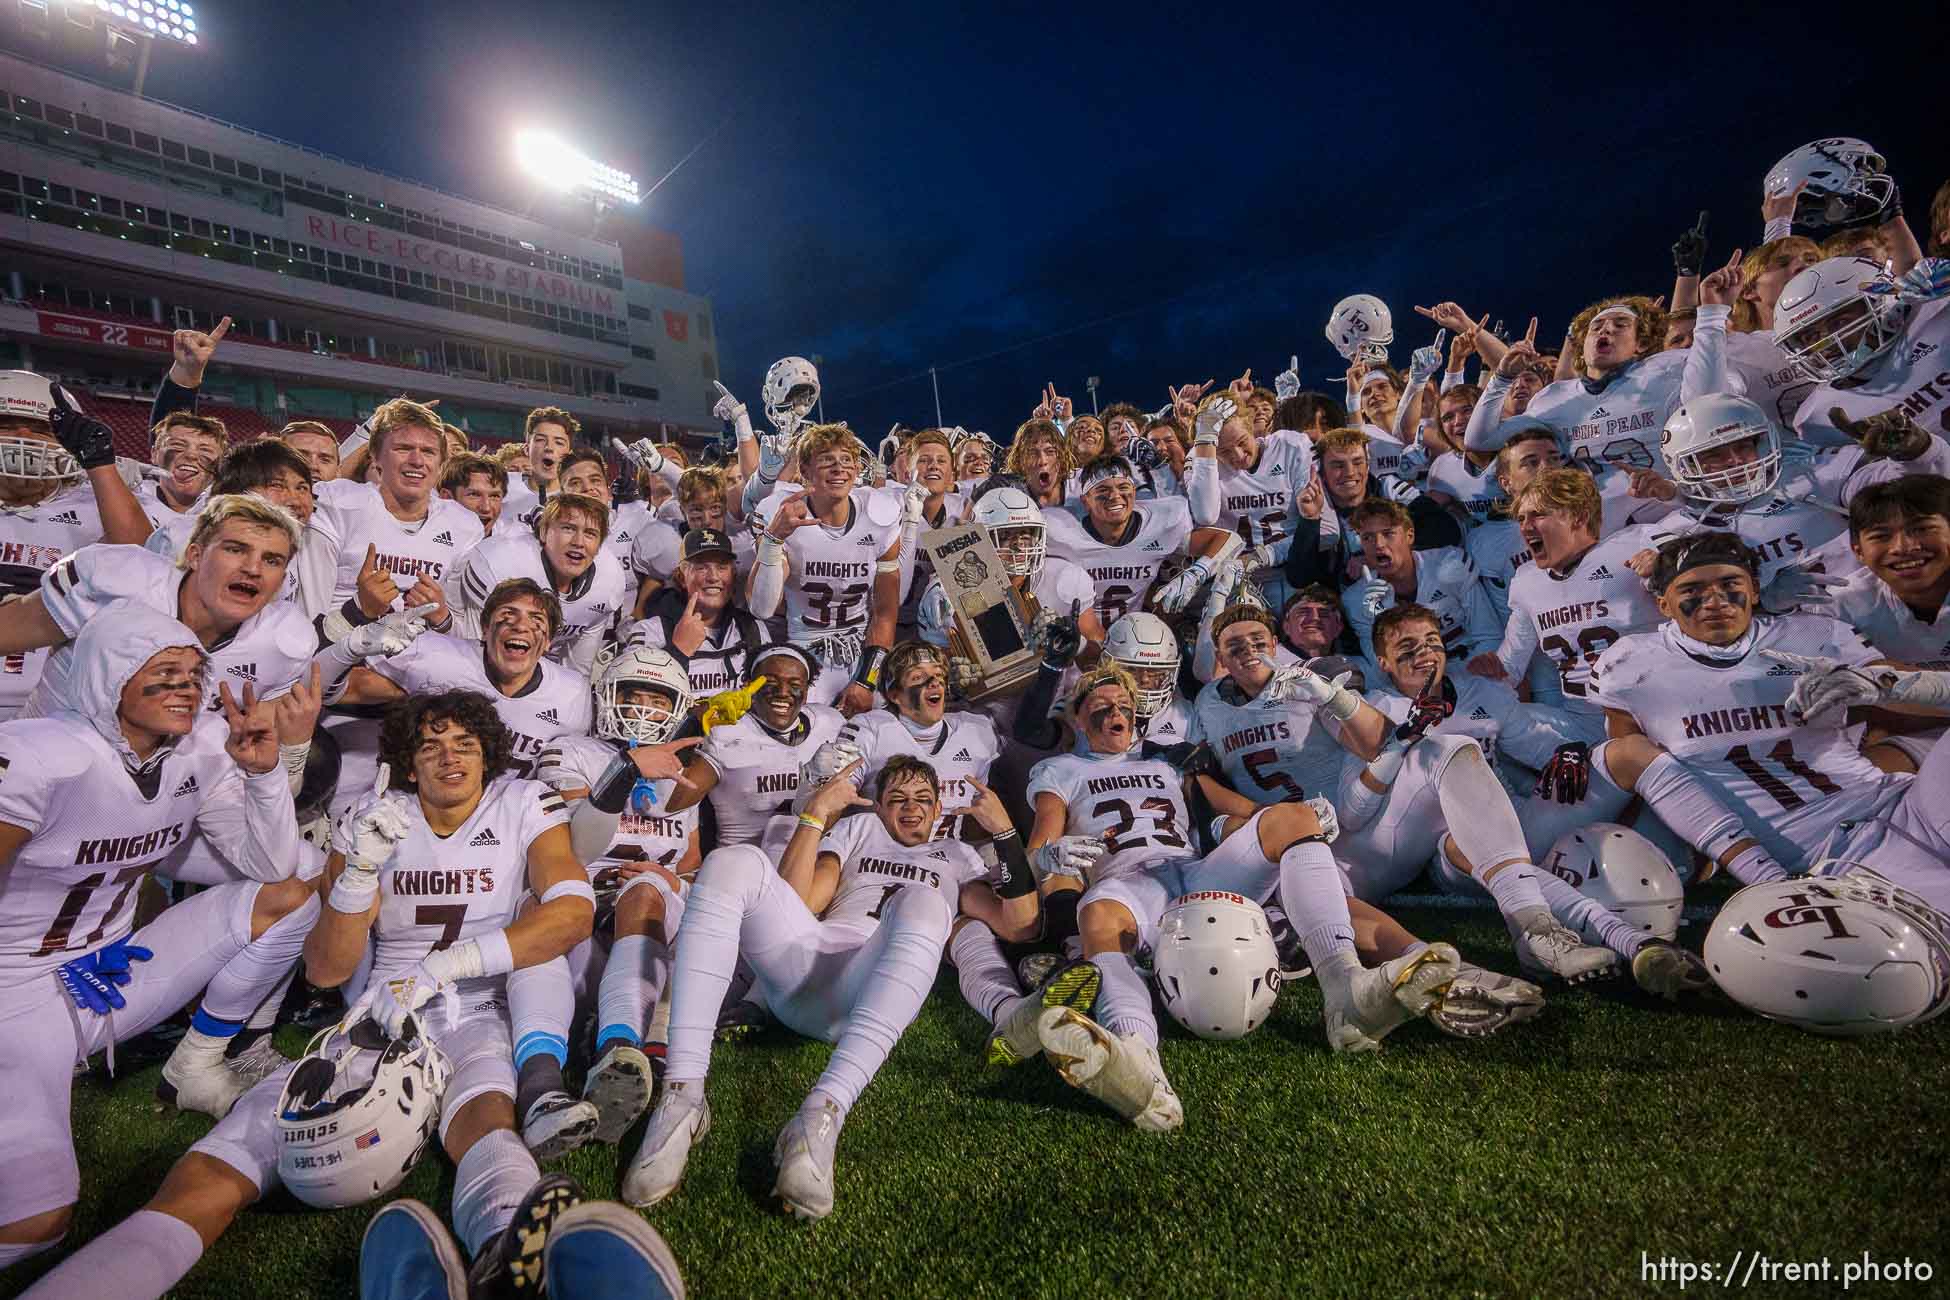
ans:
(530, 776)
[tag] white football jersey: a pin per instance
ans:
(626, 523)
(758, 774)
(1727, 721)
(1446, 585)
(1895, 630)
(589, 607)
(1136, 804)
(718, 665)
(830, 571)
(439, 889)
(646, 831)
(1270, 750)
(270, 650)
(1912, 376)
(1386, 453)
(32, 538)
(1263, 503)
(148, 494)
(556, 701)
(1620, 421)
(1778, 385)
(1574, 617)
(519, 506)
(96, 832)
(1496, 551)
(1475, 491)
(352, 516)
(1170, 725)
(962, 745)
(1121, 574)
(655, 548)
(874, 866)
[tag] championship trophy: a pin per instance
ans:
(992, 617)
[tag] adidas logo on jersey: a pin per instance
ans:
(1783, 670)
(1600, 572)
(189, 786)
(1436, 595)
(1599, 412)
(1921, 350)
(1153, 545)
(67, 517)
(1480, 714)
(866, 539)
(600, 607)
(485, 838)
(547, 715)
(962, 756)
(246, 671)
(445, 539)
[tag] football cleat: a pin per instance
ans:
(259, 1061)
(557, 1124)
(741, 1021)
(601, 1249)
(1123, 1073)
(1663, 968)
(1367, 1005)
(408, 1254)
(804, 1155)
(198, 1077)
(1482, 1002)
(1034, 969)
(618, 1087)
(1546, 947)
(679, 1122)
(514, 1263)
(1070, 984)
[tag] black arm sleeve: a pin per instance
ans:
(1434, 526)
(1016, 879)
(171, 399)
(1305, 562)
(1034, 727)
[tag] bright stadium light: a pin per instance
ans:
(552, 161)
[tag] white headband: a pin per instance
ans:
(1616, 309)
(1116, 469)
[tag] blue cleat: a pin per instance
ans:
(408, 1254)
(602, 1251)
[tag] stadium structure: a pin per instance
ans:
(123, 219)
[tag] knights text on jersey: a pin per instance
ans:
(440, 889)
(959, 747)
(1575, 617)
(874, 867)
(1727, 720)
(556, 701)
(1913, 376)
(1620, 422)
(1261, 503)
(758, 774)
(1269, 749)
(352, 516)
(830, 571)
(269, 650)
(1121, 573)
(1136, 804)
(646, 831)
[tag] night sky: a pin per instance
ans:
(1152, 197)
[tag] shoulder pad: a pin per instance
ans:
(883, 509)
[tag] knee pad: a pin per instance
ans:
(736, 869)
(923, 910)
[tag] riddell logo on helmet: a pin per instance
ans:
(1210, 896)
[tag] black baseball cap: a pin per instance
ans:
(704, 541)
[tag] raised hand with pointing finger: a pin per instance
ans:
(1287, 383)
(1521, 355)
(392, 632)
(731, 409)
(191, 351)
(1722, 287)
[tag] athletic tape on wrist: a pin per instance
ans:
(570, 889)
(354, 890)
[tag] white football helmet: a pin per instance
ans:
(1216, 965)
(791, 389)
(1832, 956)
(356, 1113)
(1710, 423)
(1847, 184)
(1829, 323)
(25, 395)
(1146, 646)
(640, 724)
(1360, 328)
(1009, 513)
(1620, 868)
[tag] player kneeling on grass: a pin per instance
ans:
(639, 856)
(90, 801)
(1109, 792)
(844, 939)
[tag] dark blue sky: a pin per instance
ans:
(1151, 196)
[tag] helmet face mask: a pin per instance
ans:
(37, 461)
(632, 672)
(1700, 442)
(357, 1112)
(1016, 529)
(1146, 647)
(27, 403)
(791, 390)
(1217, 968)
(1839, 183)
(1830, 325)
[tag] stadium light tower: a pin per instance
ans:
(567, 170)
(123, 32)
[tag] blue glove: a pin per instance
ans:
(93, 981)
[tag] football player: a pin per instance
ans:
(91, 798)
(1870, 346)
(1394, 571)
(565, 554)
(320, 447)
(1260, 483)
(1736, 315)
(548, 434)
(584, 472)
(697, 620)
(264, 467)
(185, 447)
(844, 937)
(1134, 807)
(930, 501)
(1496, 549)
(832, 553)
(959, 746)
(375, 547)
(1121, 546)
(477, 482)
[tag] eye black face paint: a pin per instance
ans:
(1690, 605)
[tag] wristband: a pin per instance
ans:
(611, 793)
(807, 819)
(1342, 705)
(868, 673)
(1387, 765)
(578, 888)
(487, 954)
(292, 758)
(770, 548)
(354, 890)
(1017, 879)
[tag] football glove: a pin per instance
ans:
(1425, 361)
(94, 983)
(1143, 453)
(826, 763)
(913, 505)
(1330, 823)
(1287, 383)
(87, 439)
(1830, 684)
(1071, 855)
(729, 706)
(1929, 279)
(1428, 710)
(1887, 435)
(1297, 683)
(730, 409)
(1206, 425)
(1566, 777)
(1062, 640)
(1689, 250)
(771, 456)
(390, 633)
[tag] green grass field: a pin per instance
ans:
(1542, 1162)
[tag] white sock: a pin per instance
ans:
(260, 966)
(1590, 918)
(1513, 885)
(729, 884)
(1124, 1004)
(632, 982)
(266, 1015)
(542, 1006)
(489, 1184)
(1755, 866)
(1686, 804)
(1315, 901)
(987, 982)
(140, 1258)
(1477, 809)
(913, 930)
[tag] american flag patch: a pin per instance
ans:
(368, 1139)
